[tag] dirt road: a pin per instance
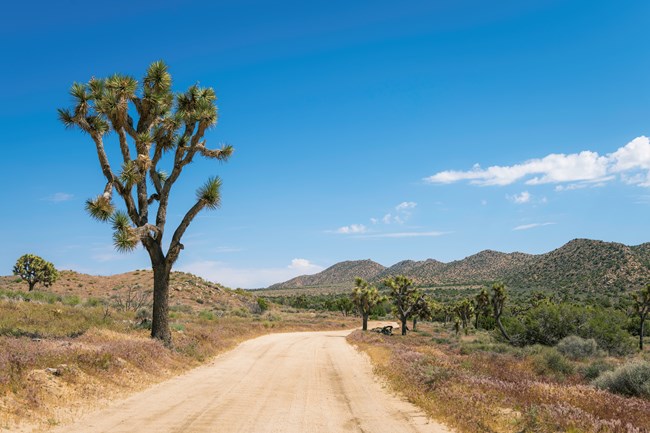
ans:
(305, 382)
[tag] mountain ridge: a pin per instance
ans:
(580, 263)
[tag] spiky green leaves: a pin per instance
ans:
(125, 237)
(210, 193)
(220, 154)
(158, 78)
(125, 241)
(120, 221)
(197, 105)
(131, 173)
(101, 208)
(66, 117)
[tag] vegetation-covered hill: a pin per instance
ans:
(579, 264)
(185, 289)
(586, 264)
(340, 275)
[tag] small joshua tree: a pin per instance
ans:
(34, 270)
(641, 306)
(405, 298)
(149, 121)
(481, 305)
(464, 309)
(423, 310)
(498, 301)
(365, 297)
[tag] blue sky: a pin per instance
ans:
(369, 129)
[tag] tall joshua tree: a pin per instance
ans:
(149, 122)
(498, 301)
(365, 297)
(641, 304)
(481, 305)
(405, 297)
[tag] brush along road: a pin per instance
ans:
(304, 382)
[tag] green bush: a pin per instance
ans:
(206, 315)
(577, 348)
(595, 369)
(548, 361)
(632, 379)
(263, 304)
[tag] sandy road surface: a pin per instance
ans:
(305, 382)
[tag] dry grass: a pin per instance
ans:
(60, 356)
(474, 388)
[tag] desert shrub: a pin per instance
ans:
(206, 315)
(595, 369)
(71, 300)
(93, 302)
(178, 327)
(241, 312)
(548, 361)
(263, 304)
(577, 348)
(631, 379)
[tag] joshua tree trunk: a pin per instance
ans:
(415, 323)
(476, 321)
(365, 321)
(404, 327)
(160, 321)
(641, 334)
(31, 285)
(503, 330)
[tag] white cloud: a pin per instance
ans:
(249, 278)
(405, 205)
(531, 226)
(631, 162)
(521, 198)
(59, 197)
(374, 220)
(405, 235)
(352, 229)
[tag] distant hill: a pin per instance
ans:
(340, 275)
(587, 264)
(186, 290)
(581, 263)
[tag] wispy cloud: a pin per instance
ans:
(249, 277)
(631, 163)
(400, 215)
(531, 226)
(523, 197)
(404, 235)
(351, 229)
(59, 197)
(405, 205)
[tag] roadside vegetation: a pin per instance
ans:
(537, 362)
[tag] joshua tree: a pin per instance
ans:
(642, 307)
(34, 269)
(163, 123)
(464, 309)
(481, 305)
(498, 301)
(423, 310)
(365, 297)
(405, 297)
